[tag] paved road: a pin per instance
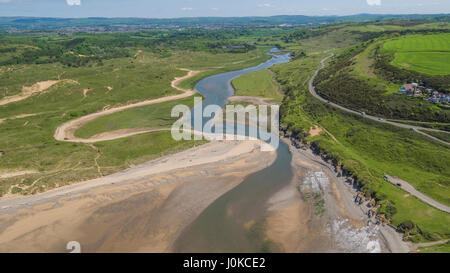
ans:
(411, 190)
(416, 246)
(416, 129)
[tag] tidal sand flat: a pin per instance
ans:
(140, 210)
(316, 212)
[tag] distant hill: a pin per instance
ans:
(121, 24)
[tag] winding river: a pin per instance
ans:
(233, 223)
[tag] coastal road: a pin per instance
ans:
(411, 190)
(416, 129)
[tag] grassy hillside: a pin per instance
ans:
(423, 53)
(366, 149)
(359, 79)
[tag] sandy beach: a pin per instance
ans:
(316, 212)
(138, 210)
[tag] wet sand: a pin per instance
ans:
(317, 213)
(150, 213)
(144, 215)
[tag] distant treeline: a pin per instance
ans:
(127, 24)
(82, 49)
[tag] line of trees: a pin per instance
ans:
(82, 49)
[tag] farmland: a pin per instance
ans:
(423, 53)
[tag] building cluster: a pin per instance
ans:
(416, 90)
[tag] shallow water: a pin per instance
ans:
(233, 223)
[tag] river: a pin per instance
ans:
(235, 221)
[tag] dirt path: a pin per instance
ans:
(416, 129)
(417, 246)
(66, 132)
(411, 190)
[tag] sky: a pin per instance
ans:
(215, 8)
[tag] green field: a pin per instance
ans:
(428, 54)
(258, 84)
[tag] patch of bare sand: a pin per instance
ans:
(85, 91)
(315, 131)
(287, 224)
(138, 53)
(27, 92)
(9, 174)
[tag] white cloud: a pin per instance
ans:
(5, 1)
(374, 2)
(73, 2)
(266, 5)
(186, 9)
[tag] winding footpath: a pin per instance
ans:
(66, 132)
(416, 129)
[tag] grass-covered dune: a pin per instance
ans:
(33, 161)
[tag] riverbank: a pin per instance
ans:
(316, 212)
